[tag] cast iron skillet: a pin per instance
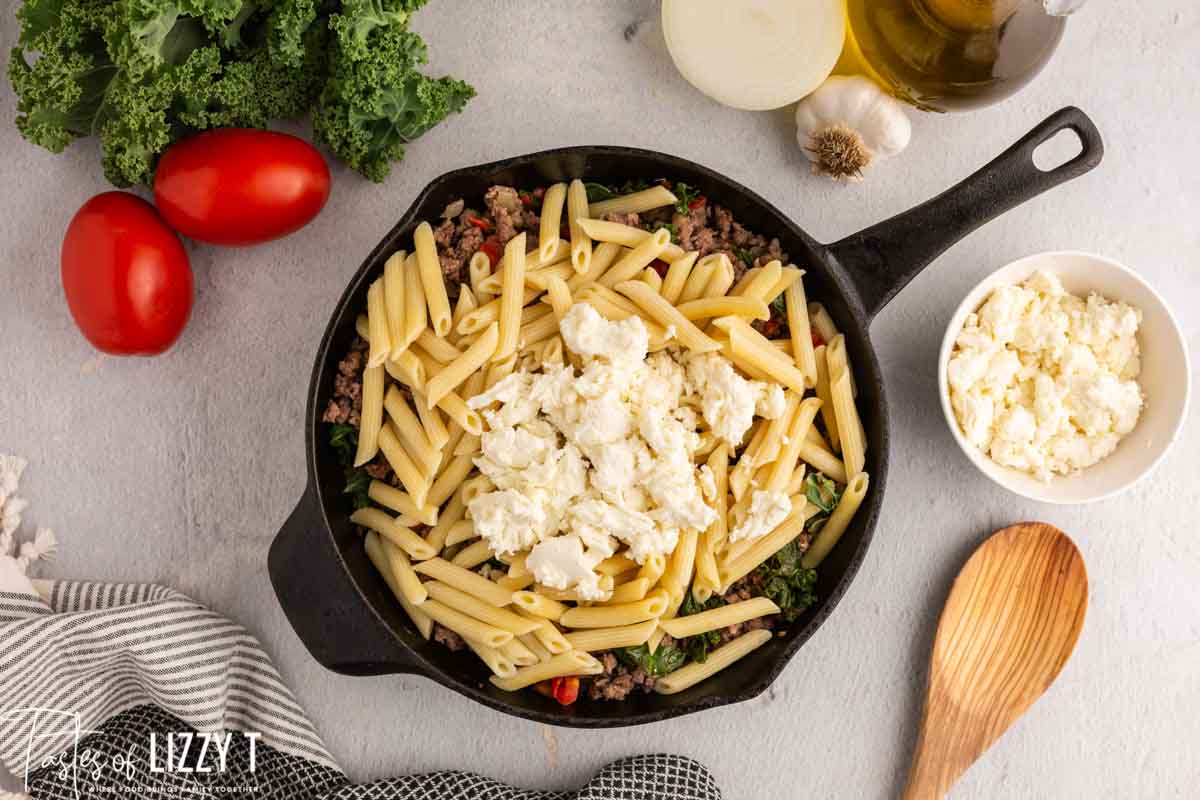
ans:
(341, 608)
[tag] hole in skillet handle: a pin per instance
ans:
(1059, 149)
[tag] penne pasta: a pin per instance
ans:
(550, 222)
(822, 323)
(410, 476)
(581, 243)
(800, 331)
(787, 277)
(668, 316)
(547, 634)
(465, 580)
(465, 304)
(520, 655)
(531, 642)
(708, 307)
(375, 552)
(467, 627)
(721, 278)
(608, 638)
(603, 256)
(457, 470)
(839, 520)
(393, 301)
(717, 660)
(752, 349)
(539, 604)
(402, 502)
(472, 606)
(449, 516)
(377, 325)
(412, 434)
(698, 279)
(763, 281)
(415, 311)
(637, 259)
(454, 373)
(617, 615)
(677, 275)
(823, 461)
(461, 532)
(404, 538)
(760, 550)
(494, 657)
(472, 555)
(782, 468)
(478, 269)
(651, 278)
(573, 662)
(635, 203)
(625, 235)
(432, 281)
(512, 272)
(716, 618)
(776, 432)
(371, 415)
(440, 349)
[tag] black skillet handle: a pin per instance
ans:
(882, 259)
(325, 609)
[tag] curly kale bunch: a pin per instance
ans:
(142, 74)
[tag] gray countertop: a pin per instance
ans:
(180, 469)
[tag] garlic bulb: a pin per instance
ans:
(847, 123)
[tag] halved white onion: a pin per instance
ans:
(754, 54)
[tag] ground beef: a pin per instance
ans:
(378, 469)
(508, 213)
(712, 229)
(346, 404)
(448, 637)
(618, 680)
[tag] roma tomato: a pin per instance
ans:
(126, 276)
(238, 186)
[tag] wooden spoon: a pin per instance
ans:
(1011, 621)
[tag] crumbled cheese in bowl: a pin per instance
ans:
(586, 459)
(1044, 381)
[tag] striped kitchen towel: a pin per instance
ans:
(136, 691)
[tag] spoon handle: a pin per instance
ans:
(940, 760)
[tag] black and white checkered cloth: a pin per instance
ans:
(97, 679)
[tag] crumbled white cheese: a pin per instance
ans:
(767, 510)
(729, 401)
(565, 562)
(1044, 381)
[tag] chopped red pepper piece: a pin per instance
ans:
(660, 266)
(480, 223)
(565, 690)
(697, 202)
(491, 246)
(817, 339)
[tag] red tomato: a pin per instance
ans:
(126, 276)
(238, 186)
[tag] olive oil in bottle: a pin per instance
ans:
(949, 55)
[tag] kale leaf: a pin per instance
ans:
(664, 660)
(597, 192)
(697, 646)
(143, 74)
(822, 493)
(745, 256)
(344, 440)
(685, 194)
(787, 582)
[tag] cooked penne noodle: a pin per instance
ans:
(431, 422)
(651, 278)
(839, 520)
(848, 424)
(550, 222)
(789, 276)
(560, 297)
(763, 281)
(635, 203)
(733, 570)
(550, 636)
(801, 330)
(494, 657)
(371, 415)
(454, 373)
(531, 641)
(412, 434)
(717, 660)
(540, 278)
(717, 618)
(629, 591)
(776, 431)
(823, 461)
(472, 488)
(439, 348)
(607, 638)
(539, 604)
(743, 471)
(465, 304)
(375, 552)
(747, 276)
(626, 235)
(402, 502)
(573, 662)
(472, 555)
(468, 445)
(618, 564)
(721, 278)
(465, 626)
(410, 476)
(677, 275)
(415, 310)
(753, 349)
(400, 574)
(668, 316)
(519, 654)
(393, 301)
(708, 307)
(782, 468)
(515, 584)
(822, 323)
(377, 325)
(407, 369)
(637, 259)
(512, 271)
(553, 351)
(472, 606)
(680, 568)
(449, 516)
(603, 256)
(461, 532)
(461, 414)
(828, 415)
(465, 580)
(405, 538)
(581, 243)
(432, 282)
(475, 321)
(479, 268)
(615, 616)
(698, 279)
(539, 329)
(457, 469)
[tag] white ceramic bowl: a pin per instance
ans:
(1165, 378)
